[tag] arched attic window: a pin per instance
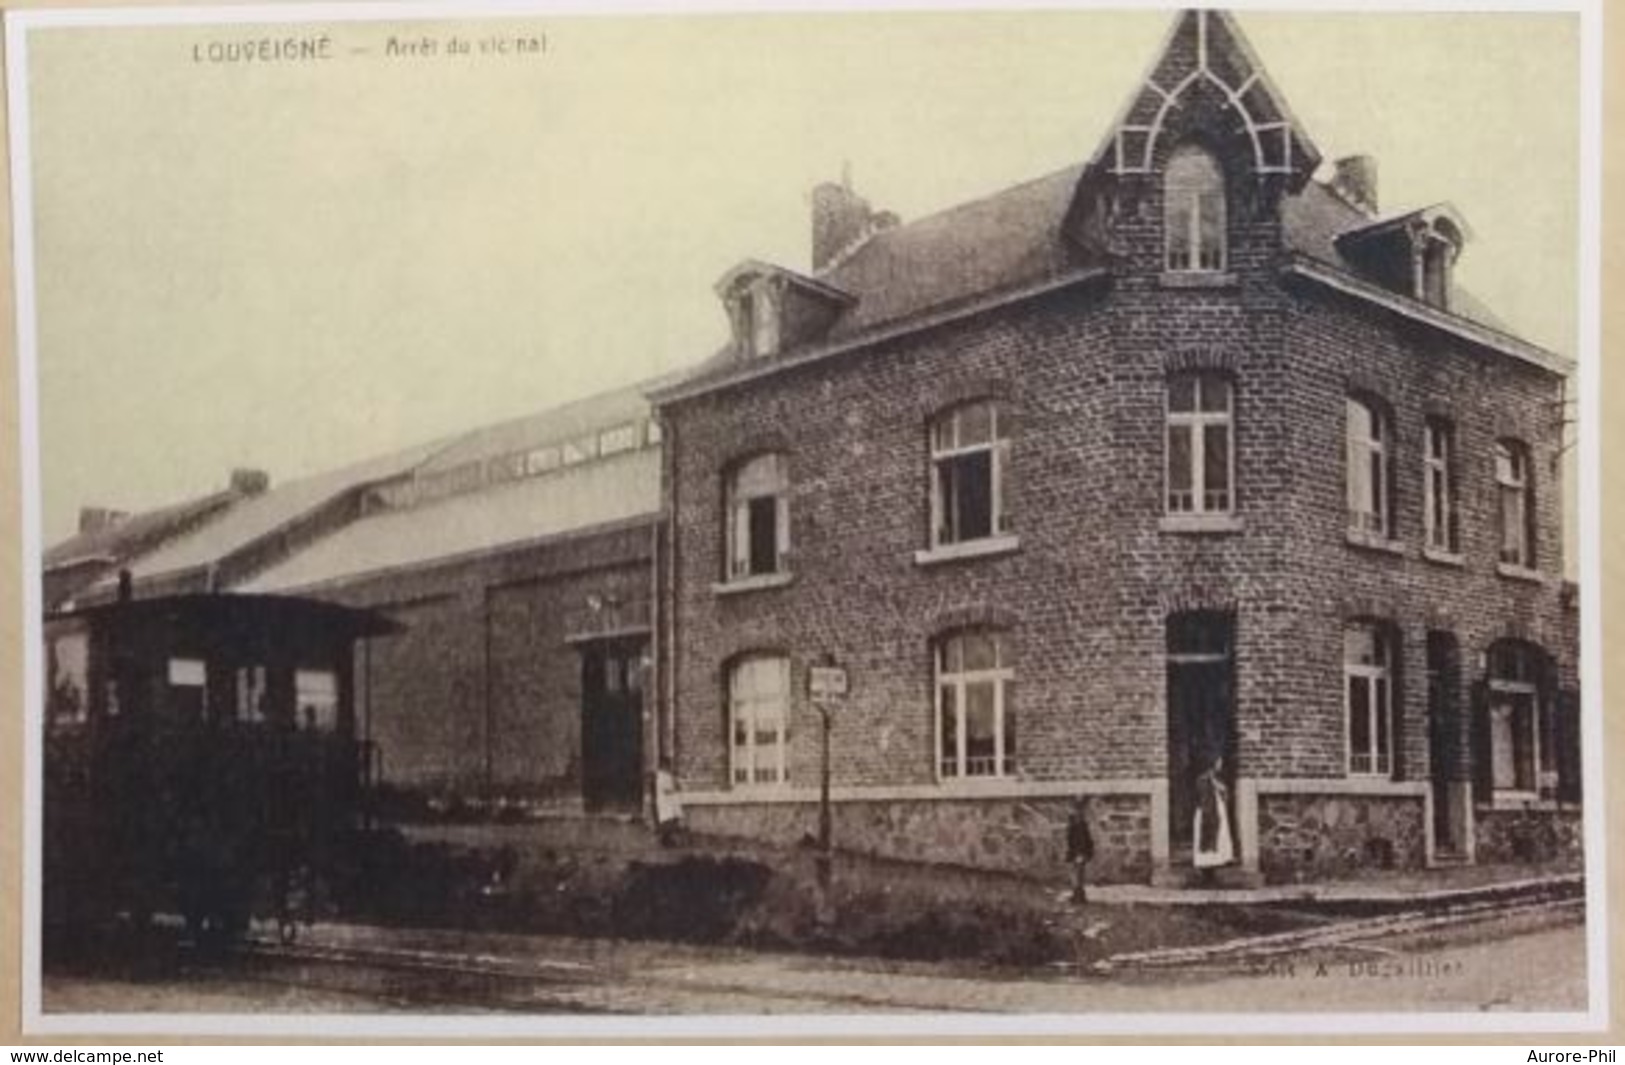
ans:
(1193, 211)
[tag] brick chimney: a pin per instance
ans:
(841, 220)
(246, 482)
(97, 519)
(1356, 181)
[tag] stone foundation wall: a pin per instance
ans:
(1012, 835)
(1317, 837)
(1529, 835)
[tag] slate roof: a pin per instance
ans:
(553, 426)
(1313, 219)
(616, 489)
(1011, 241)
(509, 513)
(1004, 241)
(137, 533)
(271, 511)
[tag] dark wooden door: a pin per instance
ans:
(612, 725)
(1444, 736)
(1201, 712)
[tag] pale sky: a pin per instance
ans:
(296, 265)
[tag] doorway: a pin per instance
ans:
(1445, 739)
(612, 724)
(1201, 711)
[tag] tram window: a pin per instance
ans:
(251, 694)
(316, 694)
(69, 697)
(188, 688)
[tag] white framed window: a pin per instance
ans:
(1369, 489)
(1514, 723)
(759, 721)
(970, 456)
(316, 699)
(651, 432)
(758, 507)
(1368, 700)
(975, 719)
(1439, 486)
(1194, 211)
(1200, 444)
(1515, 491)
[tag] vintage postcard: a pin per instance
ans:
(744, 521)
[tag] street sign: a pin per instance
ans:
(826, 682)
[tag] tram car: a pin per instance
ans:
(201, 759)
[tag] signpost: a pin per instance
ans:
(827, 685)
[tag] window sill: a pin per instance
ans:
(1444, 558)
(986, 547)
(1199, 279)
(761, 582)
(1198, 524)
(759, 791)
(974, 787)
(1520, 573)
(1525, 802)
(1516, 800)
(1372, 542)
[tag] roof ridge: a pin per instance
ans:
(1080, 167)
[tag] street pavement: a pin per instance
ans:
(1532, 962)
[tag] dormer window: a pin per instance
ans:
(756, 319)
(1437, 247)
(1435, 273)
(772, 310)
(1193, 211)
(1413, 254)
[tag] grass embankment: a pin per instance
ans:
(722, 893)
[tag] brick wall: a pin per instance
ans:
(484, 669)
(1085, 598)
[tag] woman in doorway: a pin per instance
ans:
(1212, 830)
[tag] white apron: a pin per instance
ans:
(1222, 851)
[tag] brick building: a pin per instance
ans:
(1186, 457)
(1183, 458)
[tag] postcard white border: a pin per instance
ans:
(19, 24)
